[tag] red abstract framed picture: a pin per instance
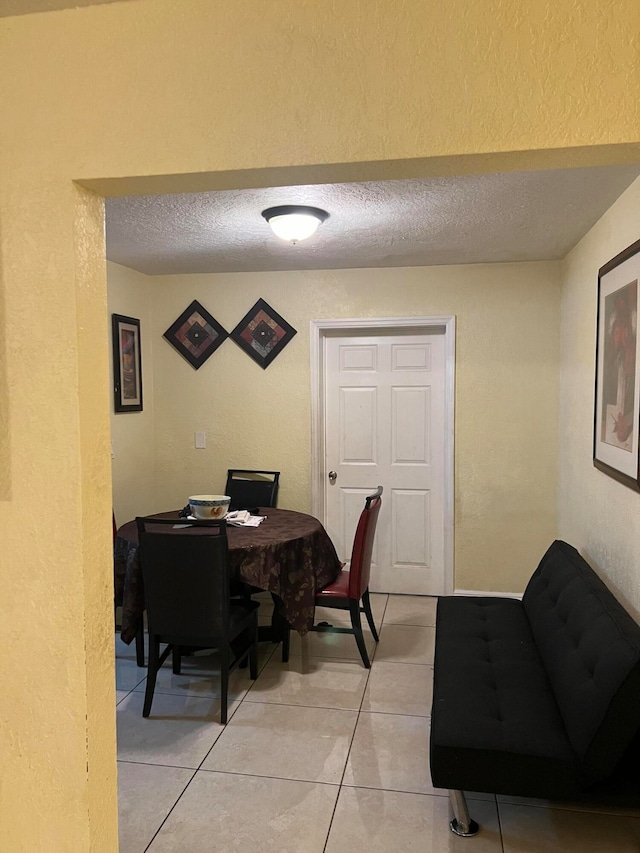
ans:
(617, 395)
(127, 364)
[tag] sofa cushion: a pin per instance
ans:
(495, 723)
(590, 648)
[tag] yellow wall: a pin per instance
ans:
(506, 396)
(132, 433)
(57, 746)
(597, 514)
(293, 91)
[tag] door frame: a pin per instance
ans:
(322, 329)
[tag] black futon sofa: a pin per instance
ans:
(539, 697)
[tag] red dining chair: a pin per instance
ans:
(352, 587)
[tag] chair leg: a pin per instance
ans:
(461, 823)
(281, 632)
(224, 683)
(356, 624)
(152, 671)
(140, 644)
(366, 603)
(177, 662)
(253, 653)
(237, 646)
(286, 640)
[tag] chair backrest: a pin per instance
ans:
(248, 488)
(360, 567)
(186, 578)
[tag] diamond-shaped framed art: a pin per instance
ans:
(196, 334)
(262, 333)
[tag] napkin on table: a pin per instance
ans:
(242, 518)
(238, 518)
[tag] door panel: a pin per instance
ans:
(411, 540)
(358, 433)
(358, 358)
(384, 424)
(411, 416)
(411, 357)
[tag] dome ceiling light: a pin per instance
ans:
(294, 222)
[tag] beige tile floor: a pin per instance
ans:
(319, 756)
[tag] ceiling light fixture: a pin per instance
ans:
(294, 222)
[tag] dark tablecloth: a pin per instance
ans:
(289, 554)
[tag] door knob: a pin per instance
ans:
(333, 476)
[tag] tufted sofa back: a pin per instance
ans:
(590, 648)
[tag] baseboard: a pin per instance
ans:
(480, 592)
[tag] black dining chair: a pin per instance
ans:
(249, 489)
(188, 601)
(350, 590)
(117, 603)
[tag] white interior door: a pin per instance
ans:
(384, 410)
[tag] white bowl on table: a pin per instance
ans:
(205, 507)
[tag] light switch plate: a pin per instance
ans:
(201, 440)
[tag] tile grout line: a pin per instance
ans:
(244, 697)
(360, 712)
(333, 708)
(166, 817)
(552, 805)
(196, 771)
(152, 764)
(340, 784)
(269, 776)
(193, 776)
(353, 734)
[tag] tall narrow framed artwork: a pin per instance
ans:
(127, 364)
(617, 396)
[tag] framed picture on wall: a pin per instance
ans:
(263, 333)
(617, 398)
(127, 364)
(196, 335)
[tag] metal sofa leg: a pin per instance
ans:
(461, 823)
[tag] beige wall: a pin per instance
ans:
(189, 95)
(506, 396)
(597, 514)
(132, 433)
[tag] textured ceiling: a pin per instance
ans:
(519, 216)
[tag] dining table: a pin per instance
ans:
(289, 554)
